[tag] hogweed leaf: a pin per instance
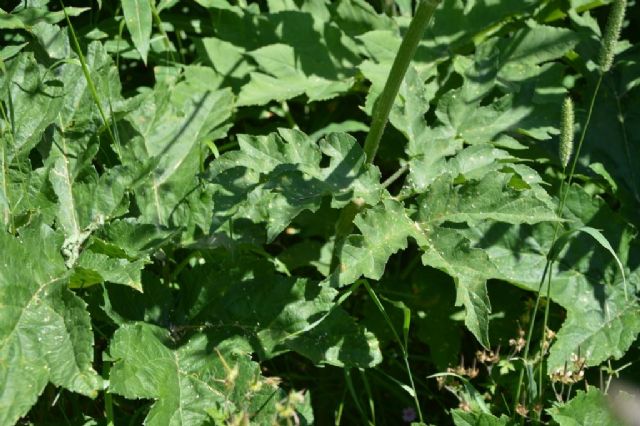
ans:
(474, 418)
(166, 135)
(190, 381)
(34, 98)
(470, 268)
(590, 407)
(384, 231)
(45, 332)
(493, 197)
(274, 178)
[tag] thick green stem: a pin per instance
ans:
(405, 54)
(382, 108)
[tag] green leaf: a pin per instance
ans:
(228, 62)
(45, 330)
(280, 64)
(427, 148)
(298, 52)
(27, 17)
(465, 418)
(274, 313)
(612, 138)
(85, 199)
(95, 268)
(33, 98)
(470, 268)
(189, 382)
(84, 207)
(384, 231)
(533, 45)
(596, 331)
(338, 340)
(586, 408)
(491, 198)
(357, 17)
(509, 65)
(347, 126)
(271, 310)
(600, 239)
(604, 323)
(274, 178)
(24, 193)
(128, 238)
(477, 19)
(137, 17)
(165, 136)
(53, 39)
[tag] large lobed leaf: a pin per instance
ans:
(384, 231)
(275, 314)
(585, 280)
(164, 150)
(300, 50)
(586, 408)
(272, 179)
(200, 382)
(45, 330)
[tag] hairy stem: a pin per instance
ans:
(394, 177)
(382, 107)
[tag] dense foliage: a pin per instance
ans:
(194, 231)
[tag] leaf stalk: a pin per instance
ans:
(408, 47)
(382, 108)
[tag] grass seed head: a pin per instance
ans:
(566, 131)
(612, 34)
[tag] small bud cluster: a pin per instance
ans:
(287, 408)
(522, 410)
(488, 357)
(570, 374)
(519, 343)
(471, 372)
(550, 335)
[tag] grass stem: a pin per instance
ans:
(564, 192)
(87, 76)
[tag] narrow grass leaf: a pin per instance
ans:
(138, 18)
